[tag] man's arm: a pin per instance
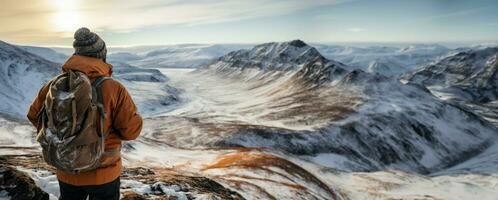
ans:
(36, 106)
(126, 119)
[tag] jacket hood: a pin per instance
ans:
(92, 67)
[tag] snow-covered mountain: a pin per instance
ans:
(46, 53)
(470, 75)
(271, 56)
(153, 56)
(281, 58)
(385, 60)
(148, 87)
(176, 56)
(307, 105)
(21, 75)
(184, 56)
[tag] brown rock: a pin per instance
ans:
(19, 185)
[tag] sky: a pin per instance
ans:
(159, 22)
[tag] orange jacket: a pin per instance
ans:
(121, 112)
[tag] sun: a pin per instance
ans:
(66, 19)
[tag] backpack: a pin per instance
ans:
(71, 133)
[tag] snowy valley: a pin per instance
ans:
(283, 120)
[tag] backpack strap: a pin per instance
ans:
(98, 100)
(97, 95)
(97, 92)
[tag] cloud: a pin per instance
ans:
(56, 18)
(456, 13)
(356, 30)
(159, 12)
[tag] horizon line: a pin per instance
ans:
(476, 42)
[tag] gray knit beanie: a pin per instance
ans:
(87, 43)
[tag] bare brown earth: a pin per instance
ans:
(317, 108)
(294, 101)
(272, 165)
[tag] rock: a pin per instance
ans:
(132, 196)
(171, 184)
(19, 185)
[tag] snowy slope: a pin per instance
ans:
(468, 79)
(21, 75)
(470, 76)
(148, 87)
(46, 53)
(15, 133)
(484, 163)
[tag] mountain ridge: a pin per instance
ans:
(411, 127)
(470, 75)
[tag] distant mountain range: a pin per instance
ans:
(171, 56)
(469, 75)
(386, 60)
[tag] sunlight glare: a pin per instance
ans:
(66, 19)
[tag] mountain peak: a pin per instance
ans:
(309, 65)
(280, 56)
(297, 43)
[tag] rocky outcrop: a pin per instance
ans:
(136, 183)
(170, 184)
(19, 185)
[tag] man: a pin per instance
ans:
(122, 121)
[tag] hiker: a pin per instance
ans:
(81, 117)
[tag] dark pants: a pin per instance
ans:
(108, 191)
